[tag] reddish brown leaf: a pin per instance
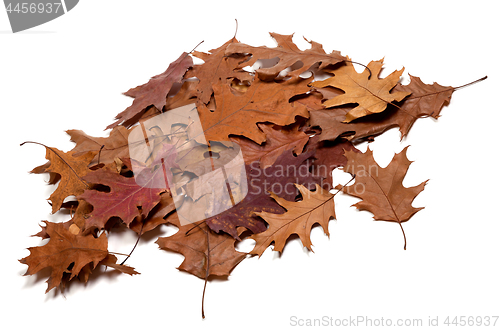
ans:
(328, 155)
(155, 91)
(381, 189)
(217, 67)
(280, 179)
(125, 200)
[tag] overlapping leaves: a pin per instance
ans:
(291, 129)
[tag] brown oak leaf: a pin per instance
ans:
(366, 89)
(70, 171)
(63, 250)
(263, 102)
(106, 148)
(425, 101)
(206, 253)
(381, 189)
(315, 207)
(288, 54)
(217, 67)
(155, 91)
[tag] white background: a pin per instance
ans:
(70, 73)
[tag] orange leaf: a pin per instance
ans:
(71, 171)
(370, 93)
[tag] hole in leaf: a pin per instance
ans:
(211, 154)
(266, 63)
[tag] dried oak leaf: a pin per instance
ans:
(155, 91)
(107, 148)
(279, 179)
(217, 67)
(206, 253)
(425, 100)
(70, 171)
(43, 232)
(278, 139)
(238, 114)
(288, 54)
(381, 189)
(125, 200)
(315, 207)
(175, 99)
(63, 250)
(365, 89)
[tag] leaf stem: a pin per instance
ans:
(135, 245)
(99, 155)
(236, 31)
(353, 177)
(196, 46)
(404, 236)
(367, 68)
(471, 83)
(206, 276)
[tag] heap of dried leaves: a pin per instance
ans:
(281, 116)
